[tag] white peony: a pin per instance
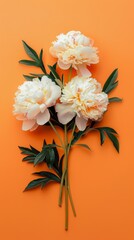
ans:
(76, 50)
(32, 101)
(82, 97)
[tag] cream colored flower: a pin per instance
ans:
(82, 97)
(76, 50)
(32, 101)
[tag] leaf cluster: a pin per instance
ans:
(112, 135)
(37, 61)
(48, 155)
(110, 84)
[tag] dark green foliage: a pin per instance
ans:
(115, 99)
(111, 133)
(54, 119)
(53, 72)
(40, 182)
(83, 145)
(49, 155)
(48, 175)
(29, 63)
(28, 78)
(30, 52)
(37, 61)
(111, 82)
(79, 134)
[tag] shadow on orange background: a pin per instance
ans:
(102, 181)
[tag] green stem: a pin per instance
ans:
(70, 73)
(69, 191)
(61, 188)
(58, 135)
(65, 173)
(66, 179)
(71, 200)
(69, 146)
(43, 68)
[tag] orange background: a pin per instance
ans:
(102, 181)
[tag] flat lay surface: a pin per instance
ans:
(102, 181)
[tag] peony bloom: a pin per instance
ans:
(32, 101)
(81, 97)
(76, 50)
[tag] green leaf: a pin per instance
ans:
(53, 71)
(44, 144)
(77, 136)
(40, 182)
(50, 157)
(28, 78)
(59, 83)
(41, 62)
(110, 84)
(29, 63)
(107, 129)
(29, 158)
(34, 150)
(41, 55)
(37, 75)
(26, 151)
(40, 158)
(111, 134)
(114, 140)
(70, 125)
(48, 175)
(56, 155)
(30, 52)
(111, 87)
(84, 145)
(115, 99)
(54, 118)
(102, 137)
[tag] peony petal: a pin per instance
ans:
(28, 124)
(43, 118)
(63, 65)
(83, 71)
(63, 108)
(42, 107)
(55, 94)
(34, 127)
(65, 113)
(81, 123)
(21, 117)
(33, 111)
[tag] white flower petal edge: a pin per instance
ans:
(28, 124)
(74, 49)
(32, 101)
(81, 97)
(43, 118)
(64, 113)
(81, 123)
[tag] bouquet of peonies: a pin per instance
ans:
(75, 106)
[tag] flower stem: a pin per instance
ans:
(66, 201)
(71, 200)
(61, 188)
(66, 178)
(69, 191)
(70, 73)
(58, 135)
